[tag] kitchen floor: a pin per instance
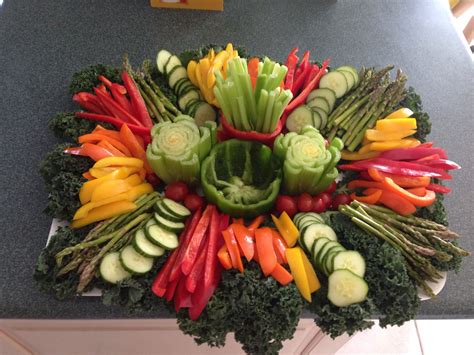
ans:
(421, 337)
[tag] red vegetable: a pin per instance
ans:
(341, 199)
(224, 257)
(252, 67)
(420, 201)
(257, 221)
(403, 181)
(327, 198)
(88, 102)
(161, 280)
(170, 289)
(411, 153)
(142, 131)
(182, 297)
(115, 108)
(176, 191)
(280, 274)
(266, 254)
(331, 188)
(319, 206)
(306, 69)
(438, 188)
(215, 229)
(233, 249)
(245, 239)
(291, 65)
(203, 294)
(441, 164)
(396, 203)
(305, 202)
(193, 202)
(280, 247)
(136, 100)
(286, 203)
(198, 268)
(92, 151)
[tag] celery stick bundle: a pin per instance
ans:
(247, 109)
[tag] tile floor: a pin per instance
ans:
(421, 337)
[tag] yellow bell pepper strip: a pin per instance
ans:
(313, 280)
(346, 155)
(191, 70)
(388, 145)
(134, 180)
(396, 124)
(119, 161)
(136, 191)
(104, 212)
(400, 113)
(217, 64)
(298, 270)
(287, 228)
(85, 193)
(365, 149)
(110, 188)
(266, 254)
(375, 135)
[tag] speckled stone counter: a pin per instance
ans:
(43, 42)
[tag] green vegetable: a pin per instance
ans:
(66, 125)
(178, 148)
(423, 125)
(87, 79)
(308, 166)
(242, 178)
(260, 312)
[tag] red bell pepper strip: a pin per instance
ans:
(137, 102)
(280, 246)
(290, 75)
(418, 191)
(140, 141)
(182, 297)
(245, 240)
(105, 81)
(213, 245)
(438, 188)
(252, 67)
(103, 90)
(428, 157)
(233, 249)
(266, 253)
(142, 131)
(116, 109)
(224, 257)
(170, 289)
(197, 272)
(237, 220)
(256, 222)
(372, 198)
(105, 144)
(421, 201)
(223, 223)
(426, 145)
(185, 239)
(203, 294)
(87, 104)
(97, 137)
(118, 93)
(312, 85)
(403, 181)
(411, 153)
(280, 274)
(396, 203)
(306, 70)
(160, 282)
(313, 72)
(441, 164)
(90, 150)
(134, 146)
(199, 234)
(291, 54)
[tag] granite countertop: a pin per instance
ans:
(43, 42)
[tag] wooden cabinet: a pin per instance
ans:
(137, 337)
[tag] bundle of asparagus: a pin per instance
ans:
(110, 235)
(416, 239)
(375, 97)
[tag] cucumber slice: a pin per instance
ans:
(190, 95)
(297, 217)
(310, 216)
(331, 254)
(317, 119)
(317, 246)
(346, 288)
(162, 238)
(321, 103)
(168, 225)
(177, 74)
(190, 105)
(163, 212)
(144, 247)
(351, 80)
(134, 262)
(111, 269)
(172, 62)
(305, 224)
(300, 117)
(350, 260)
(204, 112)
(322, 253)
(323, 115)
(309, 235)
(335, 81)
(180, 83)
(185, 87)
(151, 222)
(352, 70)
(326, 94)
(162, 59)
(175, 208)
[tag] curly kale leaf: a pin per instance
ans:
(87, 79)
(413, 101)
(435, 212)
(260, 312)
(46, 270)
(66, 125)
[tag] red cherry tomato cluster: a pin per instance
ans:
(307, 203)
(179, 192)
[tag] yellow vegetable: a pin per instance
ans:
(396, 124)
(401, 143)
(216, 65)
(313, 281)
(85, 193)
(211, 54)
(119, 161)
(191, 69)
(100, 172)
(109, 189)
(134, 180)
(346, 155)
(375, 135)
(136, 191)
(400, 113)
(364, 149)
(298, 270)
(104, 212)
(287, 228)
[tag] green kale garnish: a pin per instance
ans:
(87, 79)
(435, 212)
(260, 312)
(413, 101)
(66, 125)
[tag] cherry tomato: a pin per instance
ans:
(331, 188)
(286, 203)
(193, 202)
(326, 197)
(305, 202)
(176, 191)
(341, 199)
(318, 205)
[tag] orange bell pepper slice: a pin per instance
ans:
(400, 180)
(97, 137)
(280, 247)
(107, 132)
(233, 249)
(134, 146)
(418, 191)
(257, 221)
(105, 144)
(397, 203)
(237, 220)
(87, 175)
(224, 257)
(245, 240)
(420, 201)
(281, 275)
(364, 183)
(252, 66)
(266, 253)
(372, 198)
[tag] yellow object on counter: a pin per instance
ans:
(103, 212)
(395, 124)
(298, 271)
(287, 228)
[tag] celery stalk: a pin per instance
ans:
(268, 112)
(261, 79)
(243, 114)
(224, 105)
(262, 105)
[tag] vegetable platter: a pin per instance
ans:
(238, 192)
